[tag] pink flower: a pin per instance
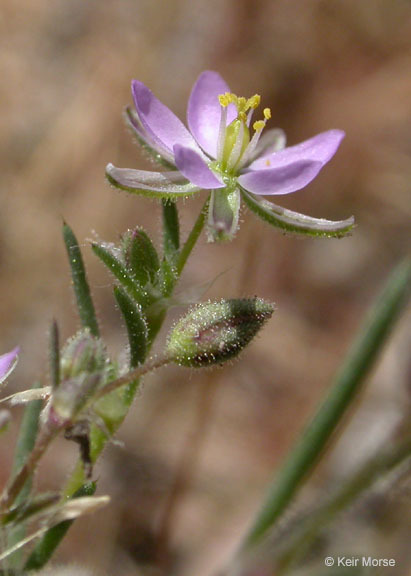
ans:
(224, 152)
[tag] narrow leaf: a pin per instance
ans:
(344, 390)
(25, 444)
(81, 288)
(140, 256)
(136, 326)
(54, 355)
(52, 538)
(119, 271)
(295, 223)
(171, 230)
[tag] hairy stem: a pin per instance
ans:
(192, 239)
(11, 491)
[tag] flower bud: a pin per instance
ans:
(82, 353)
(84, 368)
(214, 332)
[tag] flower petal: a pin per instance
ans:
(204, 110)
(157, 184)
(281, 180)
(193, 167)
(271, 141)
(159, 153)
(162, 125)
(7, 363)
(320, 148)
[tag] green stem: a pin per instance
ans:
(98, 437)
(346, 387)
(192, 239)
(131, 376)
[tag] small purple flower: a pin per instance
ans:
(7, 363)
(224, 152)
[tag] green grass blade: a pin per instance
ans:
(304, 534)
(345, 388)
(52, 538)
(81, 288)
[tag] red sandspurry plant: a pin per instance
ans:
(87, 393)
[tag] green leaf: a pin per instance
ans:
(25, 444)
(136, 326)
(54, 355)
(120, 272)
(167, 278)
(52, 538)
(81, 288)
(140, 256)
(346, 387)
(171, 230)
(295, 223)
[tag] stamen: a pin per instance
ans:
(258, 125)
(222, 131)
(267, 113)
(253, 102)
(237, 148)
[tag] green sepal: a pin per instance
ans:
(223, 214)
(140, 256)
(136, 326)
(52, 538)
(295, 223)
(131, 119)
(120, 272)
(81, 288)
(185, 190)
(171, 230)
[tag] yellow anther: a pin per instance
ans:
(267, 113)
(242, 116)
(253, 102)
(241, 103)
(259, 125)
(224, 101)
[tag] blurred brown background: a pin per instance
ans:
(65, 71)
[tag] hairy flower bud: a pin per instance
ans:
(214, 332)
(84, 367)
(82, 353)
